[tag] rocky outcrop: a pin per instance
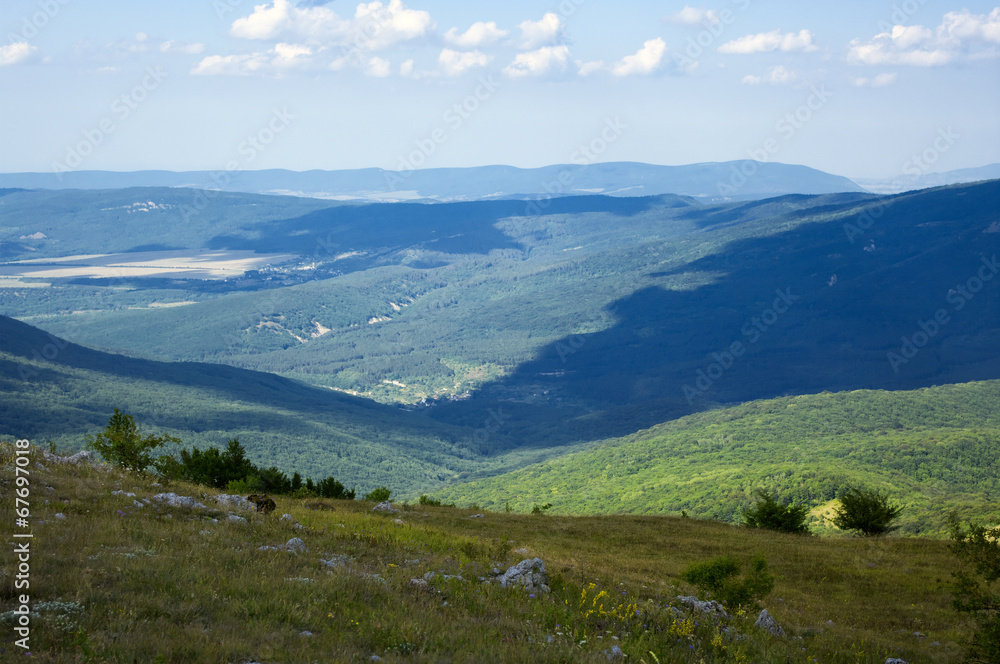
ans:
(529, 573)
(173, 500)
(385, 506)
(710, 607)
(767, 623)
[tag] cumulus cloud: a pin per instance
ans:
(374, 26)
(480, 34)
(546, 32)
(879, 81)
(960, 34)
(536, 63)
(455, 63)
(15, 52)
(378, 67)
(766, 42)
(775, 76)
(181, 48)
(645, 61)
(691, 16)
(231, 65)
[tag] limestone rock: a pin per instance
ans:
(700, 606)
(529, 573)
(767, 623)
(385, 506)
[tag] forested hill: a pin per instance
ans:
(53, 389)
(934, 450)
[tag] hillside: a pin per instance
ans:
(58, 391)
(450, 184)
(119, 576)
(936, 450)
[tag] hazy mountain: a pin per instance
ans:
(734, 180)
(913, 178)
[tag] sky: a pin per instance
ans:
(856, 88)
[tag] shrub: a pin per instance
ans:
(379, 495)
(540, 509)
(120, 443)
(975, 586)
(218, 469)
(717, 578)
(768, 513)
(331, 488)
(867, 511)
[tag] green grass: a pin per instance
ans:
(139, 585)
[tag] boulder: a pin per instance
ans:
(173, 500)
(711, 607)
(895, 660)
(295, 545)
(385, 506)
(529, 573)
(767, 623)
(233, 502)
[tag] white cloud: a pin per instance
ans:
(15, 52)
(964, 26)
(765, 42)
(959, 34)
(538, 62)
(406, 69)
(182, 48)
(546, 32)
(231, 65)
(375, 25)
(455, 63)
(378, 67)
(588, 68)
(691, 16)
(645, 61)
(775, 76)
(479, 35)
(879, 81)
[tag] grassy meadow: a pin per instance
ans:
(113, 582)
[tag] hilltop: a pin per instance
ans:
(118, 574)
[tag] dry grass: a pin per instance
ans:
(170, 585)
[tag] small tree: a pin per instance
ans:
(121, 444)
(770, 514)
(867, 511)
(975, 586)
(379, 495)
(717, 578)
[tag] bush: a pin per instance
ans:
(867, 511)
(540, 509)
(425, 500)
(331, 488)
(120, 443)
(379, 495)
(768, 513)
(975, 586)
(218, 469)
(717, 578)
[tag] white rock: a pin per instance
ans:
(174, 500)
(529, 573)
(767, 623)
(232, 518)
(385, 506)
(233, 502)
(60, 515)
(285, 517)
(698, 605)
(295, 545)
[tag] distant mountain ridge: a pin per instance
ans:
(912, 179)
(715, 181)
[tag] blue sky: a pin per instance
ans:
(854, 88)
